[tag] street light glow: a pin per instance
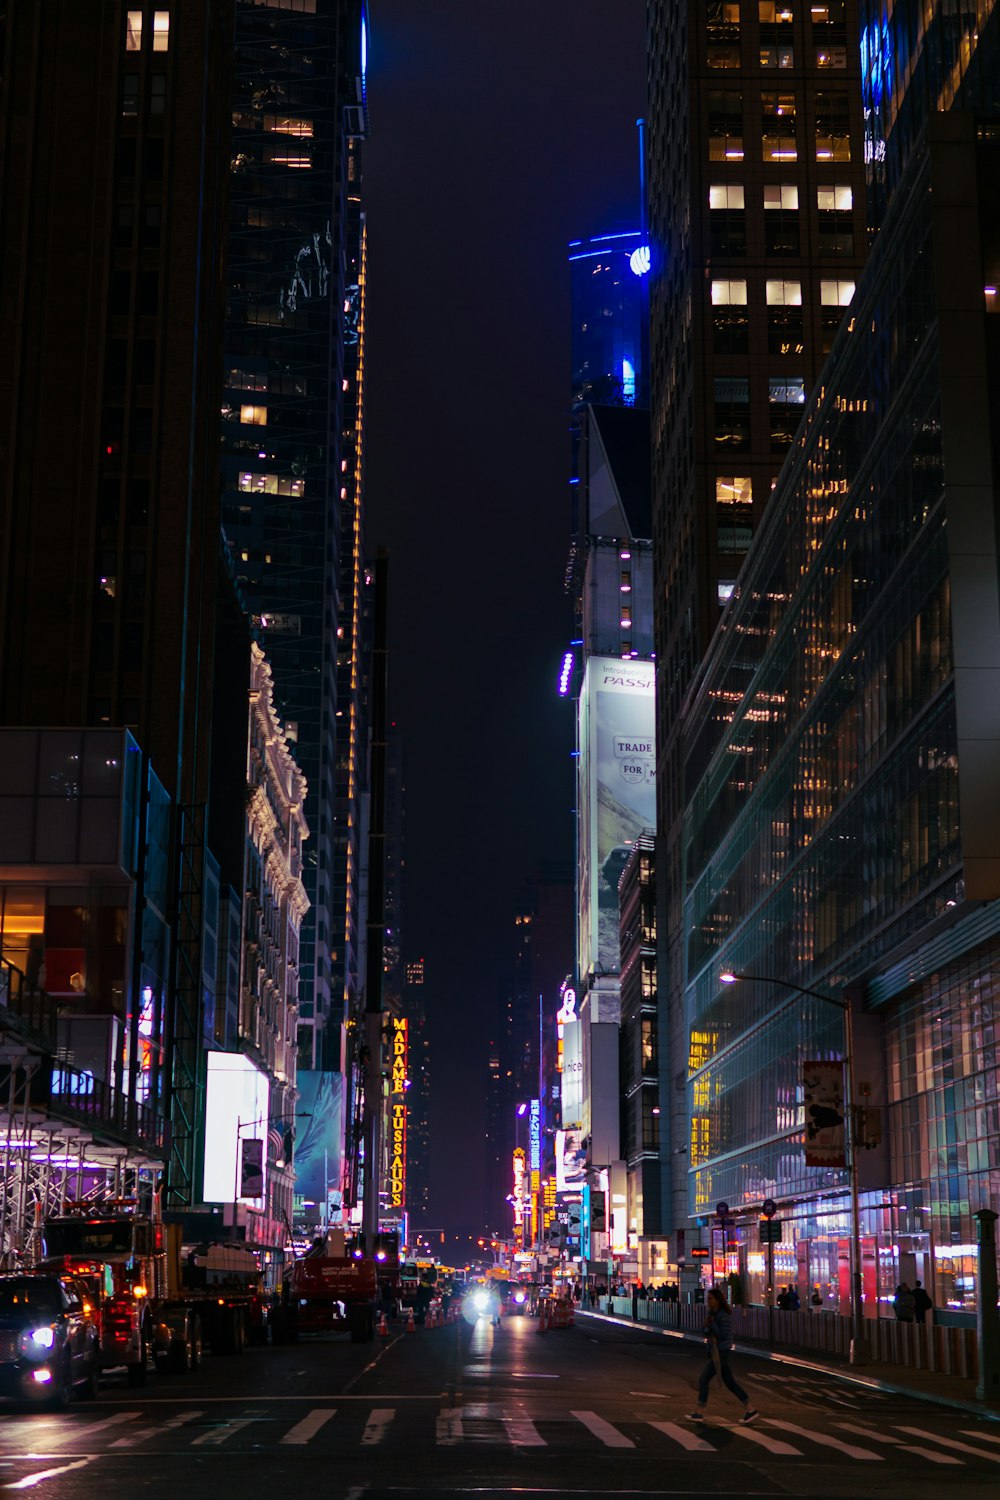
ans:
(728, 977)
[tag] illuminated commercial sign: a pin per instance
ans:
(617, 795)
(518, 1196)
(640, 261)
(564, 1016)
(535, 1135)
(236, 1112)
(571, 1161)
(397, 1111)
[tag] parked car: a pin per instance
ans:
(49, 1342)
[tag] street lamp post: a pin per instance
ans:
(858, 1340)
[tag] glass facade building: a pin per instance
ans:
(609, 348)
(842, 818)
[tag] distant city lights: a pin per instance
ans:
(566, 674)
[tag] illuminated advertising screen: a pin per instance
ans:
(569, 1028)
(617, 794)
(319, 1140)
(236, 1112)
(397, 1113)
(571, 1161)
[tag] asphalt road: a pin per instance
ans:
(454, 1411)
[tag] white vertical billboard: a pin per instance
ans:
(617, 794)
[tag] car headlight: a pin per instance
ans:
(36, 1342)
(519, 1297)
(480, 1301)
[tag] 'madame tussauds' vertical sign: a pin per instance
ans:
(397, 1112)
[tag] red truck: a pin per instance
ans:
(155, 1299)
(329, 1293)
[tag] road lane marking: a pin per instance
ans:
(887, 1437)
(449, 1428)
(307, 1429)
(138, 1434)
(30, 1480)
(74, 1430)
(608, 1435)
(658, 1395)
(523, 1433)
(689, 1440)
(222, 1433)
(864, 1454)
(932, 1437)
(984, 1437)
(773, 1445)
(378, 1424)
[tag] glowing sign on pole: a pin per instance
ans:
(397, 1110)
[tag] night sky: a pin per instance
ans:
(498, 133)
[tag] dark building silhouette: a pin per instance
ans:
(293, 462)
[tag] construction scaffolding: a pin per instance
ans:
(64, 1135)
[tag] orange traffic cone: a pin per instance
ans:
(383, 1328)
(543, 1316)
(411, 1322)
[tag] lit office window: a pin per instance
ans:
(783, 293)
(839, 198)
(836, 293)
(133, 31)
(726, 195)
(780, 195)
(161, 30)
(778, 129)
(833, 127)
(733, 489)
(289, 125)
(786, 390)
(254, 416)
(727, 293)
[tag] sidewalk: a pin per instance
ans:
(917, 1385)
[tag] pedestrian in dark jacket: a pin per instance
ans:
(718, 1336)
(902, 1304)
(922, 1303)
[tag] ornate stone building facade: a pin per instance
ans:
(275, 903)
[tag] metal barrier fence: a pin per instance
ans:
(914, 1346)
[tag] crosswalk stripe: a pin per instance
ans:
(865, 1454)
(449, 1428)
(984, 1437)
(379, 1421)
(773, 1445)
(220, 1434)
(609, 1436)
(310, 1425)
(523, 1433)
(887, 1437)
(689, 1440)
(993, 1458)
(139, 1434)
(71, 1430)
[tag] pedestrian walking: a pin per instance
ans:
(718, 1336)
(922, 1303)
